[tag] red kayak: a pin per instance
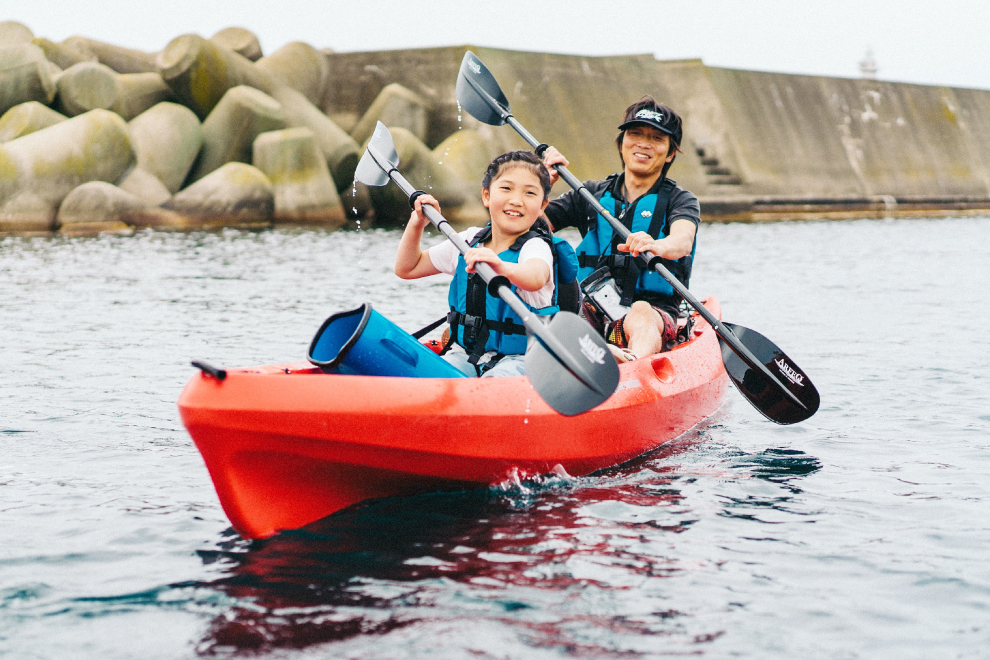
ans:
(288, 444)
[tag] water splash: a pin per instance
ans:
(361, 281)
(445, 154)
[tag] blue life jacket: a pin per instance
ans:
(481, 322)
(649, 213)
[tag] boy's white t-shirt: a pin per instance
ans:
(444, 257)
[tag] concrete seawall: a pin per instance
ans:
(758, 146)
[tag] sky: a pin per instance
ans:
(918, 41)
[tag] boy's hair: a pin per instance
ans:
(524, 159)
(661, 117)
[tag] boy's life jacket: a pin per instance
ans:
(649, 213)
(481, 322)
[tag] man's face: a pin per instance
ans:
(644, 150)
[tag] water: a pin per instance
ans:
(862, 533)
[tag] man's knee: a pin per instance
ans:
(642, 312)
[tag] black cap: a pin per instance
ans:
(660, 119)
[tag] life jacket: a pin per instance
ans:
(649, 213)
(480, 322)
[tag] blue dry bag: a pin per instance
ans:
(363, 342)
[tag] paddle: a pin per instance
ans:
(569, 365)
(752, 361)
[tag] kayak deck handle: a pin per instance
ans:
(210, 370)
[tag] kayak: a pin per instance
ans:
(288, 444)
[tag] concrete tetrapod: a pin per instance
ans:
(38, 170)
(301, 67)
(241, 41)
(304, 191)
(27, 118)
(90, 85)
(24, 76)
(13, 33)
(121, 60)
(167, 138)
(61, 54)
(465, 155)
(200, 72)
(395, 106)
(339, 148)
(145, 186)
(86, 86)
(418, 164)
(228, 133)
(96, 207)
(54, 72)
(237, 194)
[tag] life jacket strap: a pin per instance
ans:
(495, 359)
(477, 322)
(613, 261)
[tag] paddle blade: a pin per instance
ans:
(478, 92)
(766, 396)
(577, 372)
(374, 172)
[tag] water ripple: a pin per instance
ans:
(860, 533)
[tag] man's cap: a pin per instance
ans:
(666, 122)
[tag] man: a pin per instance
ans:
(662, 217)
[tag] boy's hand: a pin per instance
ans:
(418, 216)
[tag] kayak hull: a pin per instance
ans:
(287, 445)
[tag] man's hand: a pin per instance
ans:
(553, 157)
(639, 242)
(677, 245)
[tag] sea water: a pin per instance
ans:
(861, 533)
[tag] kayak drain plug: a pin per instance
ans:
(210, 370)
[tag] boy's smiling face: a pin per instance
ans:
(515, 200)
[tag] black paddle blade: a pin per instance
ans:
(369, 171)
(763, 394)
(478, 92)
(578, 372)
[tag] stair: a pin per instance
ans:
(716, 174)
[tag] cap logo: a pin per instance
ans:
(650, 114)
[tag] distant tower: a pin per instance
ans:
(868, 67)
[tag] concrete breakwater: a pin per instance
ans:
(205, 133)
(213, 132)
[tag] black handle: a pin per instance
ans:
(210, 370)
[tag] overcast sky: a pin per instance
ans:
(921, 41)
